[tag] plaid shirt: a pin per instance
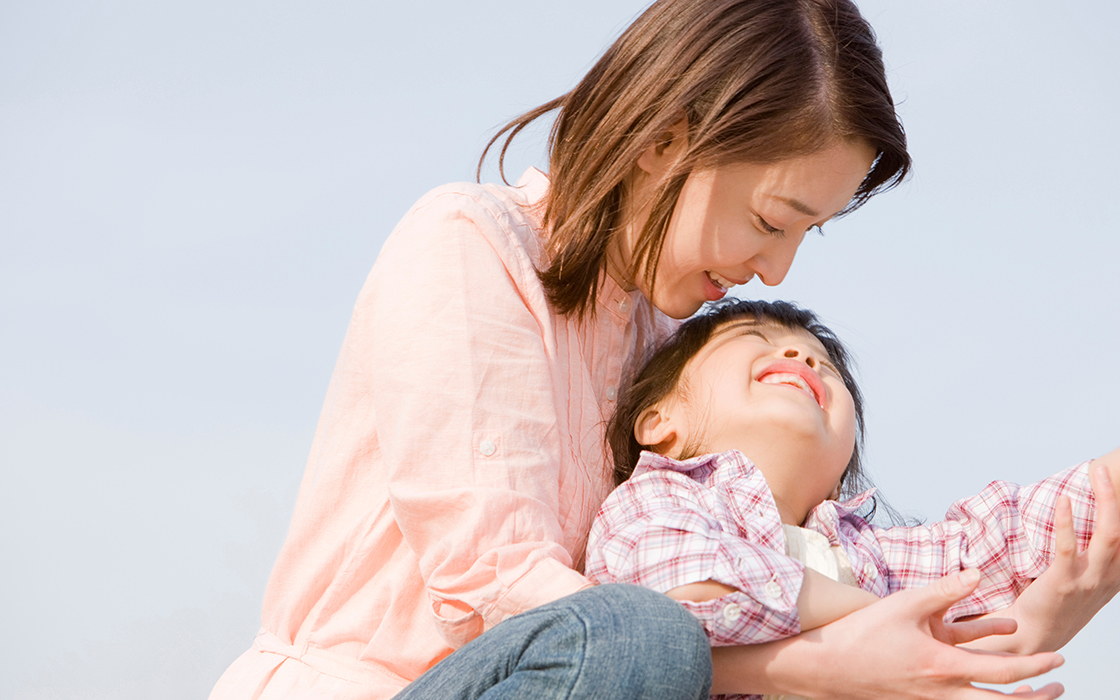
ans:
(713, 517)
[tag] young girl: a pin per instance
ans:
(752, 421)
(458, 461)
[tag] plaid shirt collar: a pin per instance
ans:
(711, 469)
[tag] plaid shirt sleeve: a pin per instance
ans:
(1006, 531)
(675, 523)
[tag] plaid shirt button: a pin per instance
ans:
(731, 613)
(869, 571)
(773, 589)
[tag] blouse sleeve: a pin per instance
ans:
(466, 411)
(662, 530)
(1005, 531)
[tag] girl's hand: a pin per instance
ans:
(1076, 586)
(898, 648)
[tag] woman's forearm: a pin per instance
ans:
(770, 668)
(897, 648)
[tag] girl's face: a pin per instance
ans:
(772, 393)
(736, 222)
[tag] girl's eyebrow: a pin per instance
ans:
(739, 323)
(755, 323)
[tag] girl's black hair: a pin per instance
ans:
(661, 374)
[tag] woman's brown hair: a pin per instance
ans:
(757, 80)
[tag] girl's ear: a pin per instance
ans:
(669, 144)
(656, 428)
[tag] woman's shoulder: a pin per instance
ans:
(508, 217)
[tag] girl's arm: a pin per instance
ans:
(894, 648)
(820, 601)
(1060, 602)
(711, 538)
(1005, 531)
(897, 649)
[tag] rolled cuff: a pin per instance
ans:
(547, 581)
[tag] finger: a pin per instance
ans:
(1023, 692)
(1106, 527)
(1046, 692)
(1065, 539)
(932, 602)
(971, 630)
(941, 594)
(1003, 669)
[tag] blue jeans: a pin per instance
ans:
(611, 642)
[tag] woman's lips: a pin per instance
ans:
(795, 374)
(719, 285)
(713, 290)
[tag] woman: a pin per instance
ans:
(459, 459)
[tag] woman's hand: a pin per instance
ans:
(898, 648)
(1076, 586)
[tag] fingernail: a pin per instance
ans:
(970, 577)
(1102, 473)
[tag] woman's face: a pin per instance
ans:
(736, 222)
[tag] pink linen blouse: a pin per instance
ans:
(459, 458)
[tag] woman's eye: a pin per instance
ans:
(772, 230)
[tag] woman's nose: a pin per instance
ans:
(772, 267)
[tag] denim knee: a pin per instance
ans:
(611, 642)
(640, 643)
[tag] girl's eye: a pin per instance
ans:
(819, 230)
(772, 230)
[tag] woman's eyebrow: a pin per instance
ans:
(795, 204)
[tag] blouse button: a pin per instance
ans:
(731, 613)
(612, 393)
(773, 590)
(869, 571)
(487, 448)
(624, 305)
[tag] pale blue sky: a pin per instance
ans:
(191, 195)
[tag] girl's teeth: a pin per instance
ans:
(788, 379)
